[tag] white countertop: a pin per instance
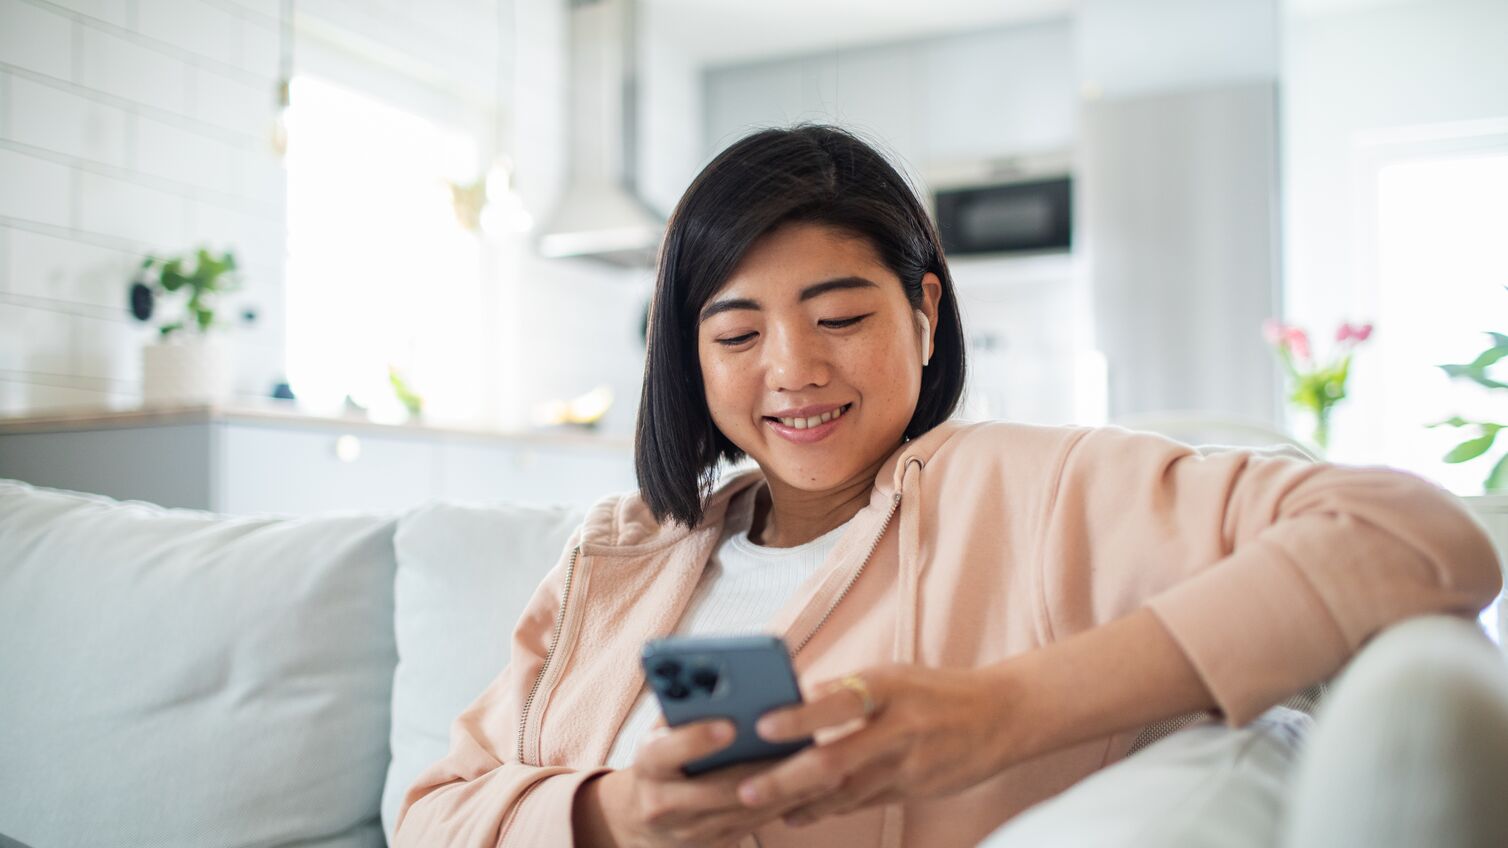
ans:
(286, 413)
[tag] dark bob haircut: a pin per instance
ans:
(808, 174)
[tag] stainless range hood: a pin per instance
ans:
(600, 216)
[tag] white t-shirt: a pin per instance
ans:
(742, 588)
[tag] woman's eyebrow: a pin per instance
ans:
(811, 291)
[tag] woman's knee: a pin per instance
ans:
(1411, 743)
(1437, 661)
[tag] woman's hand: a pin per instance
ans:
(931, 732)
(653, 804)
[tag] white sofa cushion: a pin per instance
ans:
(465, 574)
(1206, 786)
(178, 678)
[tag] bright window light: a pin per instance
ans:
(1442, 261)
(380, 271)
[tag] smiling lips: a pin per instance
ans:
(805, 430)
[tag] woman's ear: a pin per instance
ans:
(927, 312)
(925, 328)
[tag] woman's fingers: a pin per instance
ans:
(859, 790)
(668, 749)
(815, 771)
(839, 704)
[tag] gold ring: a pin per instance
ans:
(856, 684)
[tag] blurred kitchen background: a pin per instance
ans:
(443, 217)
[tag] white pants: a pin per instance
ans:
(1409, 749)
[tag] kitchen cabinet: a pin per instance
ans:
(267, 459)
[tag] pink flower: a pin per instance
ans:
(1297, 341)
(1272, 331)
(1356, 333)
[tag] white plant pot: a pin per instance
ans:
(1492, 511)
(189, 371)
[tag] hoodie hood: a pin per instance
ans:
(624, 525)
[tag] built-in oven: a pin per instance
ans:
(1033, 215)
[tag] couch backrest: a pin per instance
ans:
(465, 574)
(177, 678)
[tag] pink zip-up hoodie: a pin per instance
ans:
(980, 541)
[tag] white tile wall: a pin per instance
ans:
(66, 269)
(234, 103)
(259, 46)
(110, 11)
(22, 396)
(267, 9)
(258, 240)
(193, 26)
(127, 127)
(5, 79)
(51, 117)
(35, 39)
(27, 341)
(133, 212)
(164, 150)
(98, 346)
(126, 68)
(35, 189)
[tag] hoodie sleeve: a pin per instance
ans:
(1269, 572)
(480, 794)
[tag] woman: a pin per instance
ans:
(980, 615)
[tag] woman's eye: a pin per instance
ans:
(736, 340)
(840, 323)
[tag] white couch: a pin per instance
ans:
(179, 678)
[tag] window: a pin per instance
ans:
(1441, 266)
(380, 271)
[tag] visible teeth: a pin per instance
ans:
(815, 420)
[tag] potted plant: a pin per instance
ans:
(188, 361)
(1490, 507)
(1486, 432)
(1315, 387)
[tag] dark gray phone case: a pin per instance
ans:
(739, 678)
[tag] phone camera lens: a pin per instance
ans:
(676, 691)
(704, 679)
(667, 669)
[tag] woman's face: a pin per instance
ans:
(812, 324)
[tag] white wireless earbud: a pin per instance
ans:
(926, 328)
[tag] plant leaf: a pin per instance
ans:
(1497, 479)
(1492, 354)
(1472, 448)
(1457, 421)
(1475, 375)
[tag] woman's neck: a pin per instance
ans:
(785, 516)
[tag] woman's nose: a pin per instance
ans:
(793, 360)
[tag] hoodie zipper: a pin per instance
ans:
(565, 597)
(523, 719)
(895, 502)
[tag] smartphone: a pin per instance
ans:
(739, 678)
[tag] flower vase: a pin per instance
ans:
(185, 371)
(1320, 436)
